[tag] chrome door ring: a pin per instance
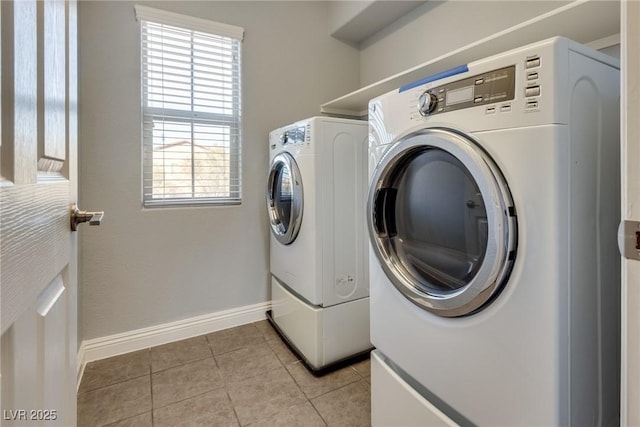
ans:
(285, 234)
(502, 241)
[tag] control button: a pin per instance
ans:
(532, 91)
(532, 105)
(505, 108)
(479, 81)
(477, 99)
(427, 103)
(533, 62)
(532, 76)
(490, 110)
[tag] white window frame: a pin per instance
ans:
(192, 117)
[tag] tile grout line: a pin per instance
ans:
(233, 407)
(191, 397)
(326, 423)
(302, 391)
(110, 384)
(151, 386)
(123, 419)
(180, 365)
(120, 381)
(284, 366)
(339, 388)
(224, 380)
(359, 373)
(223, 386)
(264, 341)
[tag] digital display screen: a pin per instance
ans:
(295, 136)
(457, 96)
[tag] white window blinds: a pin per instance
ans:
(191, 105)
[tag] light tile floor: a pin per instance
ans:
(243, 376)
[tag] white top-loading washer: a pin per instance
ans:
(493, 206)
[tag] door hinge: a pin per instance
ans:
(629, 239)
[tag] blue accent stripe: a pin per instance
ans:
(434, 77)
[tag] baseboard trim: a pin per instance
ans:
(113, 345)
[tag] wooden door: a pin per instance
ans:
(38, 276)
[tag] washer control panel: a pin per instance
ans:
(487, 88)
(293, 136)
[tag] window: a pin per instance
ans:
(191, 112)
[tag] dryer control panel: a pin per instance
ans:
(487, 88)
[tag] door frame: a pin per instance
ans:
(630, 210)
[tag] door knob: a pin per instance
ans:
(629, 239)
(78, 217)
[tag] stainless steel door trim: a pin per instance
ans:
(502, 225)
(285, 234)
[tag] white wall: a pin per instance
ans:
(436, 28)
(148, 267)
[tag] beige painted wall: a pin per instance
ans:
(148, 267)
(436, 28)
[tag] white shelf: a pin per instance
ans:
(582, 21)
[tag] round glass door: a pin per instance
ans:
(284, 198)
(441, 222)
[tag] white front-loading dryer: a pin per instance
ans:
(492, 213)
(316, 193)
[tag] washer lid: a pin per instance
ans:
(441, 222)
(285, 198)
